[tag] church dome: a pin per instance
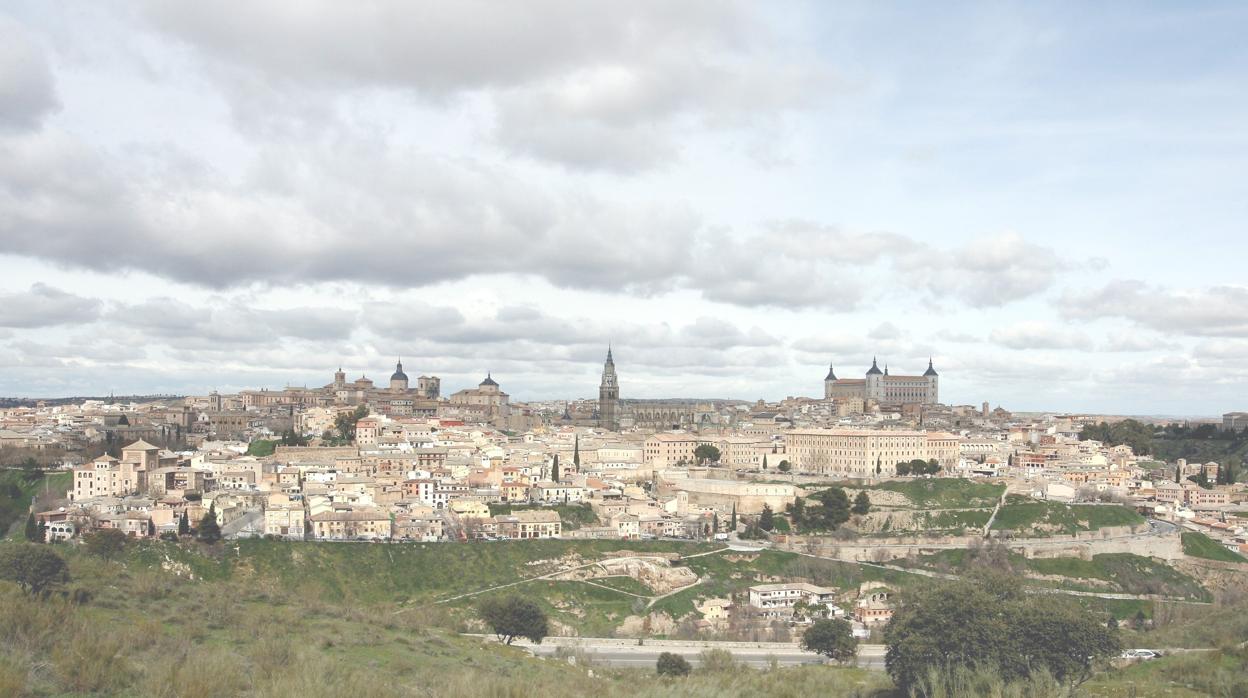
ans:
(399, 375)
(489, 381)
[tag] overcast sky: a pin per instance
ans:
(1049, 199)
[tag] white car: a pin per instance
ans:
(1141, 654)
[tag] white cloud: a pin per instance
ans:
(1215, 311)
(1033, 334)
(27, 90)
(45, 306)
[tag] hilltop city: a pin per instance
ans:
(357, 461)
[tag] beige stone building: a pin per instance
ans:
(858, 452)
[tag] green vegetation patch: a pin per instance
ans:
(1124, 572)
(1029, 517)
(573, 516)
(943, 493)
(17, 487)
(1199, 545)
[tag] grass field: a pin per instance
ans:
(1131, 574)
(937, 493)
(1032, 518)
(1199, 545)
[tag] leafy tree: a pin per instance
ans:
(554, 469)
(767, 519)
(106, 543)
(862, 504)
(831, 637)
(903, 468)
(513, 616)
(345, 423)
(998, 628)
(32, 529)
(670, 664)
(184, 525)
(785, 466)
(1200, 479)
(706, 453)
(34, 568)
(209, 531)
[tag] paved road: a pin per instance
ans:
(613, 653)
(248, 525)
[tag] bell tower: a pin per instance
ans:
(608, 396)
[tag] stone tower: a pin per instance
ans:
(609, 396)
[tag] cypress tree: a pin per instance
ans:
(764, 461)
(576, 453)
(733, 528)
(32, 529)
(554, 469)
(184, 525)
(209, 530)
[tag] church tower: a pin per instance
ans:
(608, 396)
(829, 381)
(933, 384)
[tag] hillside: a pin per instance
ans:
(255, 620)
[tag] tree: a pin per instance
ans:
(34, 568)
(554, 469)
(706, 453)
(184, 525)
(764, 462)
(106, 543)
(576, 453)
(903, 468)
(670, 664)
(862, 504)
(767, 519)
(825, 510)
(1200, 479)
(345, 423)
(32, 529)
(209, 531)
(784, 466)
(999, 628)
(831, 637)
(513, 616)
(733, 526)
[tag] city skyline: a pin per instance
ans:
(732, 196)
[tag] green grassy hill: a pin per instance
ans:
(1030, 518)
(1199, 545)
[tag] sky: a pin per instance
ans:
(1046, 199)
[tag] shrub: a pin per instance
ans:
(105, 543)
(716, 660)
(670, 664)
(35, 568)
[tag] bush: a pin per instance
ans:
(106, 543)
(34, 568)
(670, 664)
(716, 660)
